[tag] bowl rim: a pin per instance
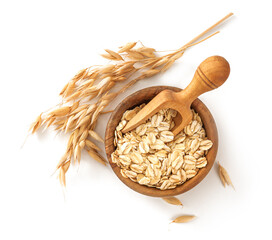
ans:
(209, 125)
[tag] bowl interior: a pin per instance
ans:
(144, 96)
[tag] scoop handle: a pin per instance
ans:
(210, 74)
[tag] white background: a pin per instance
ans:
(44, 43)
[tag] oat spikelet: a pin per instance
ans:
(135, 55)
(80, 74)
(173, 201)
(184, 219)
(146, 52)
(95, 136)
(89, 144)
(69, 90)
(35, 125)
(107, 56)
(64, 89)
(96, 156)
(62, 160)
(224, 176)
(66, 166)
(112, 55)
(77, 154)
(149, 73)
(49, 123)
(162, 61)
(127, 47)
(168, 65)
(62, 177)
(60, 111)
(221, 176)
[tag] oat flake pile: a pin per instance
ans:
(152, 156)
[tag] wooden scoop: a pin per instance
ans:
(210, 74)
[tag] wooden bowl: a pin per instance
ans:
(144, 96)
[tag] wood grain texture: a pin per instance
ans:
(144, 96)
(209, 75)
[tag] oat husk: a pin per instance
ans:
(224, 176)
(173, 201)
(184, 219)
